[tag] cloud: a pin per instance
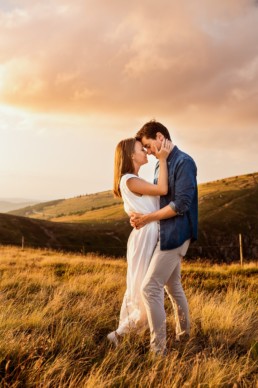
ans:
(184, 59)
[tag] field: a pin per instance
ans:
(56, 310)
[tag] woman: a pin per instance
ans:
(141, 197)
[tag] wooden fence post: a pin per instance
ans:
(241, 249)
(22, 242)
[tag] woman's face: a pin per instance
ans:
(140, 154)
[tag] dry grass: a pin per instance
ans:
(232, 183)
(71, 207)
(56, 310)
(110, 213)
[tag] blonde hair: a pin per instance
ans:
(123, 162)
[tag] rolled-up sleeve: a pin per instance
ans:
(185, 186)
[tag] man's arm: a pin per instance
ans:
(185, 186)
(138, 220)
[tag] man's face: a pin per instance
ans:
(150, 144)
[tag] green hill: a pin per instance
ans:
(227, 207)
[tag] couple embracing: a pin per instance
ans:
(164, 216)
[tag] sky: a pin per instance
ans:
(78, 76)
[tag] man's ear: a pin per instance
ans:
(159, 136)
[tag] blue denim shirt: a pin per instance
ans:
(182, 196)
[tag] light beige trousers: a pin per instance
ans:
(165, 271)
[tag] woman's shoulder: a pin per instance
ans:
(125, 177)
(124, 180)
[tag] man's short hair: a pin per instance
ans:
(150, 129)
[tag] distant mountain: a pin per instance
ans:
(227, 207)
(7, 205)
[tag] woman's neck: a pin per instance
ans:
(136, 171)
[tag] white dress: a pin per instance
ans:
(140, 247)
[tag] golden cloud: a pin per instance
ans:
(184, 59)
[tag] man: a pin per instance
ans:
(178, 226)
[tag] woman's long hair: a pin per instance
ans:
(123, 162)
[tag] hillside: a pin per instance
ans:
(227, 207)
(57, 309)
(72, 209)
(90, 237)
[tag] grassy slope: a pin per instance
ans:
(228, 196)
(226, 208)
(109, 214)
(73, 207)
(90, 237)
(56, 310)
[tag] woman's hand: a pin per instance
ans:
(137, 220)
(165, 150)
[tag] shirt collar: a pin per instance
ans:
(172, 153)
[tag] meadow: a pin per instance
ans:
(57, 308)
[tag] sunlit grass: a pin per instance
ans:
(110, 213)
(56, 310)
